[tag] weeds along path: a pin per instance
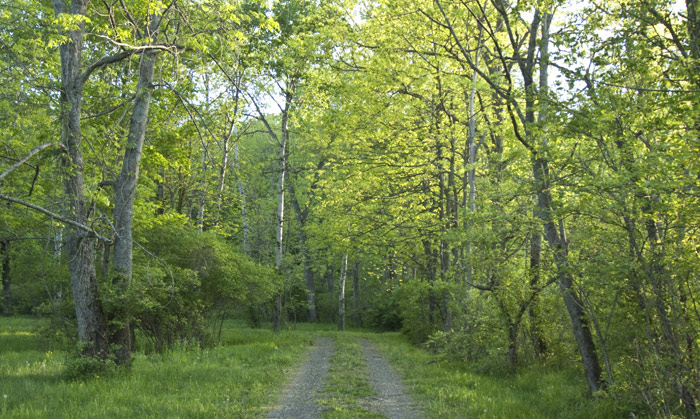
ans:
(299, 398)
(391, 398)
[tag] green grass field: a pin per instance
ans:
(243, 376)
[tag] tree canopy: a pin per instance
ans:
(511, 182)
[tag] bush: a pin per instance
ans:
(196, 279)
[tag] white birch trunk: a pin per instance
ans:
(341, 295)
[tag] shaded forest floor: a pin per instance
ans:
(246, 375)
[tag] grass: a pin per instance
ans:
(452, 390)
(237, 379)
(347, 388)
(243, 377)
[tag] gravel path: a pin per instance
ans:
(300, 397)
(391, 397)
(298, 400)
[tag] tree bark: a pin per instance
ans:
(81, 248)
(538, 342)
(341, 295)
(125, 189)
(280, 202)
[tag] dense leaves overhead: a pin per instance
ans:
(466, 166)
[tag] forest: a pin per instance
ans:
(509, 183)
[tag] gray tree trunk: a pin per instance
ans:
(202, 193)
(557, 242)
(81, 245)
(540, 169)
(125, 189)
(471, 153)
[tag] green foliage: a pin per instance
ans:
(182, 280)
(384, 312)
(423, 306)
(79, 367)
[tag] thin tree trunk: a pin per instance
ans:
(513, 330)
(242, 195)
(225, 151)
(201, 206)
(308, 269)
(557, 242)
(471, 172)
(356, 293)
(6, 291)
(341, 295)
(538, 342)
(280, 205)
(58, 243)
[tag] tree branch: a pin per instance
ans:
(24, 159)
(56, 216)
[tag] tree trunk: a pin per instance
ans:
(242, 195)
(6, 294)
(58, 242)
(81, 247)
(308, 269)
(471, 160)
(538, 342)
(513, 330)
(574, 306)
(201, 206)
(125, 189)
(280, 204)
(356, 293)
(341, 295)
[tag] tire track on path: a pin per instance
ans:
(391, 398)
(299, 398)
